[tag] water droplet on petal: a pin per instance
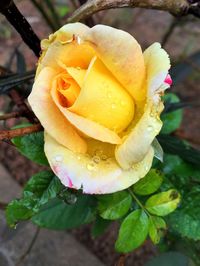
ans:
(58, 158)
(104, 157)
(90, 166)
(149, 128)
(96, 159)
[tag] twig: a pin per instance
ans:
(121, 261)
(169, 31)
(9, 134)
(44, 14)
(88, 21)
(11, 115)
(21, 259)
(177, 8)
(19, 101)
(18, 21)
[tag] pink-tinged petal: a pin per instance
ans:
(91, 175)
(157, 66)
(50, 116)
(168, 80)
(86, 126)
(122, 55)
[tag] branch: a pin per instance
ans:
(175, 7)
(9, 134)
(18, 21)
(11, 115)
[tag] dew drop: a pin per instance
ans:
(58, 158)
(90, 166)
(96, 159)
(104, 157)
(98, 152)
(149, 128)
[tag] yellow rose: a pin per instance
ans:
(98, 98)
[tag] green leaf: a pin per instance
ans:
(20, 210)
(170, 259)
(133, 231)
(163, 203)
(172, 120)
(114, 206)
(44, 185)
(148, 184)
(59, 216)
(173, 145)
(32, 147)
(186, 220)
(156, 227)
(100, 226)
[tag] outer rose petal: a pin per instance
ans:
(61, 48)
(122, 55)
(49, 115)
(157, 66)
(86, 126)
(141, 134)
(79, 171)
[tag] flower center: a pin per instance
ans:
(67, 88)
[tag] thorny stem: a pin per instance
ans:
(9, 134)
(18, 21)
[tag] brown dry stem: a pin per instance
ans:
(9, 134)
(178, 7)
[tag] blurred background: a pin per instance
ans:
(179, 36)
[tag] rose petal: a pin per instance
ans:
(88, 127)
(122, 55)
(62, 48)
(50, 116)
(84, 172)
(157, 66)
(141, 133)
(136, 144)
(103, 100)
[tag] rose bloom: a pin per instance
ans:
(97, 95)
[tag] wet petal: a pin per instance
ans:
(141, 134)
(136, 143)
(93, 176)
(122, 55)
(50, 116)
(86, 126)
(63, 47)
(103, 100)
(157, 66)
